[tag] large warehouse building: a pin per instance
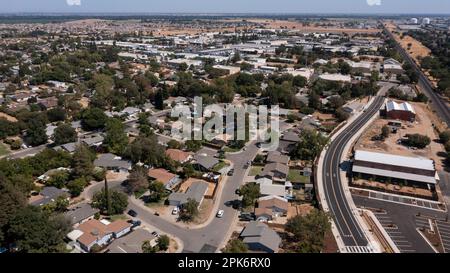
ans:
(412, 170)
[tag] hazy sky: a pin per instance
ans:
(229, 6)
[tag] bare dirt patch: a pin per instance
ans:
(423, 125)
(7, 117)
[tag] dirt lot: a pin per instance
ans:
(277, 24)
(302, 210)
(416, 50)
(423, 125)
(7, 117)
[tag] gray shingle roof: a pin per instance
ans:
(206, 161)
(277, 157)
(49, 195)
(196, 191)
(111, 161)
(80, 212)
(257, 232)
(271, 168)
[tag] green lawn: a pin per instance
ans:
(255, 170)
(219, 166)
(295, 177)
(230, 150)
(3, 149)
(118, 217)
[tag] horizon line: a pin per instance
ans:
(43, 13)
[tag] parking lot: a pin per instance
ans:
(444, 233)
(395, 233)
(405, 200)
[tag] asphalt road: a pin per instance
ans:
(348, 227)
(27, 152)
(437, 102)
(208, 238)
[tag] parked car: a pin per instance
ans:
(231, 172)
(175, 211)
(220, 213)
(247, 216)
(132, 213)
(156, 234)
(135, 223)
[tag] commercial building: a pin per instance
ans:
(395, 168)
(402, 111)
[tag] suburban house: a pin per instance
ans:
(169, 179)
(68, 147)
(275, 171)
(130, 112)
(48, 103)
(93, 141)
(47, 195)
(288, 141)
(179, 155)
(80, 213)
(132, 242)
(277, 157)
(389, 167)
(95, 232)
(268, 188)
(260, 238)
(270, 207)
(402, 111)
(196, 191)
(112, 162)
(205, 163)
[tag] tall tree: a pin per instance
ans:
(36, 134)
(309, 231)
(235, 246)
(11, 201)
(64, 133)
(137, 180)
(119, 201)
(250, 193)
(189, 210)
(116, 139)
(93, 119)
(35, 231)
(83, 161)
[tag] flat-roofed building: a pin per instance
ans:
(395, 168)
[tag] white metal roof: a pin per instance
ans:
(393, 174)
(405, 106)
(395, 160)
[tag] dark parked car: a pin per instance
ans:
(231, 172)
(136, 223)
(132, 213)
(247, 216)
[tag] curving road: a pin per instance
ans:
(347, 226)
(210, 237)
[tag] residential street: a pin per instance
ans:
(206, 239)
